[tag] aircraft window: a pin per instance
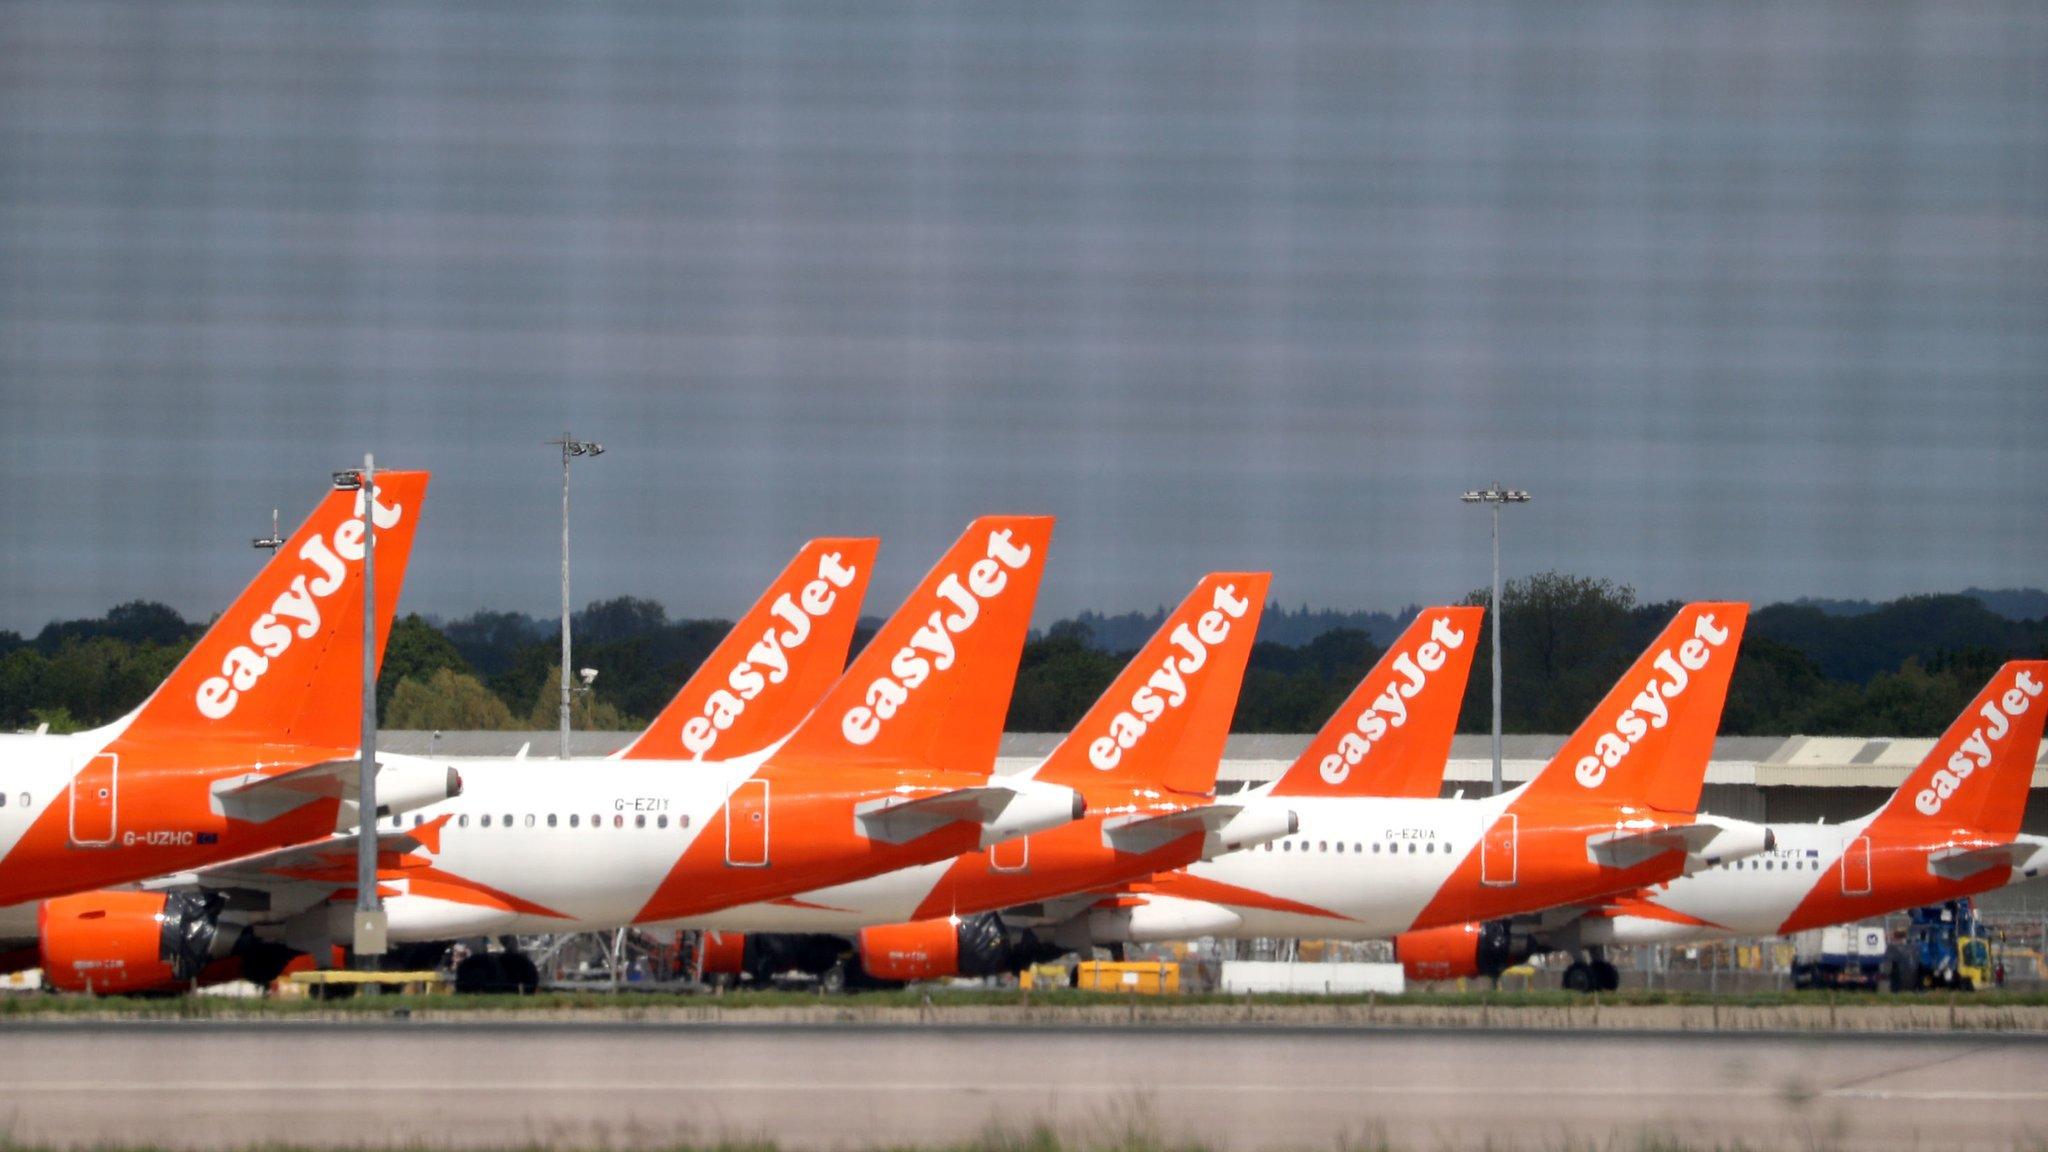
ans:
(462, 821)
(484, 821)
(639, 821)
(1287, 845)
(574, 819)
(1430, 847)
(1322, 845)
(1767, 866)
(1375, 847)
(661, 821)
(683, 821)
(551, 819)
(3, 799)
(1340, 847)
(1411, 847)
(24, 800)
(418, 819)
(508, 819)
(529, 819)
(618, 821)
(1357, 847)
(597, 821)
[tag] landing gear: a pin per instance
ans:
(1606, 977)
(497, 972)
(1593, 974)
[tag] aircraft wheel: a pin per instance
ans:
(1578, 977)
(479, 972)
(833, 979)
(1606, 977)
(516, 973)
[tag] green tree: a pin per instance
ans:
(414, 651)
(446, 699)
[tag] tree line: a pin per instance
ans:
(1904, 667)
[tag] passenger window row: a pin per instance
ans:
(554, 820)
(1427, 847)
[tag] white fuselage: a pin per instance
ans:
(1371, 863)
(577, 845)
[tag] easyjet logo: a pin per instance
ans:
(931, 646)
(1976, 750)
(767, 662)
(1652, 706)
(1390, 709)
(295, 614)
(1167, 688)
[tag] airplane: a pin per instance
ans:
(1615, 810)
(891, 769)
(251, 743)
(763, 677)
(1952, 829)
(1144, 758)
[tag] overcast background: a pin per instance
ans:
(1753, 296)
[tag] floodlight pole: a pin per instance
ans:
(570, 447)
(1494, 497)
(369, 929)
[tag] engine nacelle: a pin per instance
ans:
(1033, 807)
(724, 953)
(128, 943)
(1460, 951)
(936, 949)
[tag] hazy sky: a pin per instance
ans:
(1754, 300)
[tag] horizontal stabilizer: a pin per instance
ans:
(896, 821)
(1140, 834)
(1962, 861)
(258, 798)
(1224, 828)
(1017, 807)
(1705, 842)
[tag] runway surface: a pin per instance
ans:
(219, 1085)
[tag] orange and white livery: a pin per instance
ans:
(1615, 810)
(1952, 829)
(1144, 758)
(251, 743)
(751, 692)
(889, 770)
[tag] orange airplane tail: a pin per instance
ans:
(1163, 721)
(933, 686)
(284, 663)
(1978, 774)
(1392, 735)
(1648, 742)
(775, 664)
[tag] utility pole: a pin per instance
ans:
(370, 924)
(570, 447)
(1494, 497)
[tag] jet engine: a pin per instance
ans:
(1459, 951)
(131, 943)
(935, 949)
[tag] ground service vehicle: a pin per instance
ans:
(1945, 947)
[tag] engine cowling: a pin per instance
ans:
(936, 949)
(724, 953)
(131, 943)
(1460, 951)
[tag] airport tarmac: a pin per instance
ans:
(221, 1085)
